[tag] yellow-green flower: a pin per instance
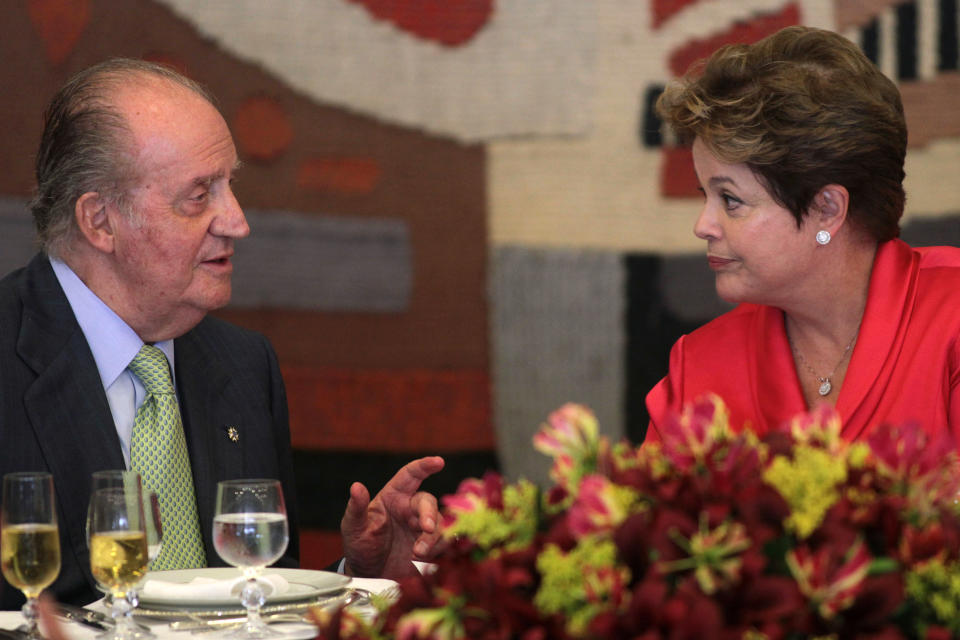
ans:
(934, 590)
(511, 524)
(581, 583)
(808, 483)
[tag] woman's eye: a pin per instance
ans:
(730, 202)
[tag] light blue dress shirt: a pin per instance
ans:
(113, 344)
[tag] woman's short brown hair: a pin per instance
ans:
(802, 108)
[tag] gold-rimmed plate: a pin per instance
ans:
(306, 588)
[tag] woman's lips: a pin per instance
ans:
(716, 262)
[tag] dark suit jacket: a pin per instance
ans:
(54, 415)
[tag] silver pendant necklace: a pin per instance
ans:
(826, 386)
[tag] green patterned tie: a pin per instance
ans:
(158, 451)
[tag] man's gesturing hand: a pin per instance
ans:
(382, 536)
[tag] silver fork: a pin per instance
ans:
(205, 626)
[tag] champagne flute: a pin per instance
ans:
(29, 539)
(250, 532)
(151, 513)
(118, 545)
(151, 509)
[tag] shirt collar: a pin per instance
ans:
(113, 343)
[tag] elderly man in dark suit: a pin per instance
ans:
(137, 219)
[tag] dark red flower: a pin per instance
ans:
(936, 632)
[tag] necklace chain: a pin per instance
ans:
(826, 386)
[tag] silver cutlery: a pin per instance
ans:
(85, 616)
(202, 626)
(353, 596)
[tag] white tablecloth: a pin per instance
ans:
(293, 631)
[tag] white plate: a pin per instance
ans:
(304, 585)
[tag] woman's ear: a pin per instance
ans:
(830, 207)
(94, 221)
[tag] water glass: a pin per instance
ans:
(250, 532)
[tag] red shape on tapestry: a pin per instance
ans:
(448, 22)
(168, 60)
(663, 10)
(396, 410)
(747, 31)
(59, 23)
(337, 174)
(677, 176)
(262, 128)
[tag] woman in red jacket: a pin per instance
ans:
(798, 144)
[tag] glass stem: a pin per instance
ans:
(121, 612)
(29, 611)
(253, 598)
(133, 601)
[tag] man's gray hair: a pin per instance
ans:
(85, 146)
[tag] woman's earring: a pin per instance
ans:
(823, 237)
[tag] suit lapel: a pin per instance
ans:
(207, 412)
(66, 405)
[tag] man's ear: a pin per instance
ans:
(830, 208)
(94, 221)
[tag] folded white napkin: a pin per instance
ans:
(373, 585)
(201, 588)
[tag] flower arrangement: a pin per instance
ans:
(708, 534)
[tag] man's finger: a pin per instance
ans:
(407, 480)
(427, 510)
(426, 545)
(52, 629)
(356, 512)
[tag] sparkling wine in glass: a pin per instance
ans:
(250, 532)
(118, 546)
(151, 508)
(29, 540)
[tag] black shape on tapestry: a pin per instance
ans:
(947, 47)
(907, 41)
(324, 477)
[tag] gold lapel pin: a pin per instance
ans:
(233, 434)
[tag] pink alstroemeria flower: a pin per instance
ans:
(570, 436)
(821, 425)
(714, 555)
(472, 495)
(597, 507)
(570, 430)
(606, 584)
(561, 472)
(829, 580)
(924, 466)
(910, 452)
(691, 434)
